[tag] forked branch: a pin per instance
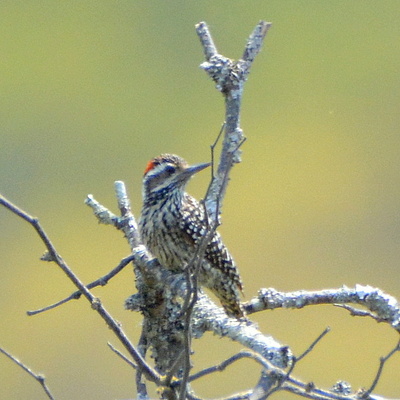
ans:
(229, 76)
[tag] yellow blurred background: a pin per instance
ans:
(91, 90)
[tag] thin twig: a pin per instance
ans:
(382, 363)
(175, 367)
(356, 312)
(123, 356)
(102, 281)
(295, 360)
(38, 377)
(187, 335)
(212, 148)
(141, 386)
(223, 365)
(313, 344)
(192, 271)
(191, 297)
(212, 151)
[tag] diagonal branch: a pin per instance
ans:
(95, 303)
(38, 377)
(382, 363)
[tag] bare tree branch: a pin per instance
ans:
(95, 303)
(265, 387)
(40, 378)
(313, 344)
(102, 281)
(382, 363)
(141, 386)
(223, 365)
(119, 354)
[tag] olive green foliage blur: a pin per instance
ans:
(91, 90)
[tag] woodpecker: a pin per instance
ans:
(173, 223)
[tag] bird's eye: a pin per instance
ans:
(170, 169)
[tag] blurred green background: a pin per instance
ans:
(91, 90)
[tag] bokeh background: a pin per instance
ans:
(91, 90)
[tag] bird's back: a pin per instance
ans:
(173, 236)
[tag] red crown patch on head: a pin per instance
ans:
(150, 165)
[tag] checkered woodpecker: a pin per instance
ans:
(173, 223)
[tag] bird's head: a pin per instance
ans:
(167, 173)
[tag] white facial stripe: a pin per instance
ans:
(156, 170)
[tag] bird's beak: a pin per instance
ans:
(193, 169)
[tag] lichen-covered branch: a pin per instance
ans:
(382, 307)
(229, 76)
